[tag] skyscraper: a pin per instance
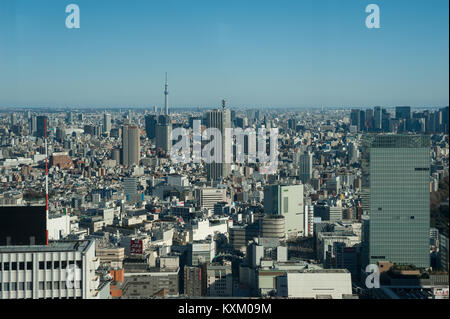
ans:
(355, 118)
(399, 199)
(163, 133)
(220, 119)
(106, 123)
(130, 145)
(377, 118)
(40, 125)
(305, 167)
(151, 121)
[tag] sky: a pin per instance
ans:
(253, 53)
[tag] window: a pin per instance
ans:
(21, 265)
(49, 265)
(49, 285)
(14, 267)
(64, 264)
(41, 285)
(21, 286)
(6, 266)
(79, 264)
(29, 285)
(56, 265)
(29, 265)
(56, 285)
(41, 265)
(6, 286)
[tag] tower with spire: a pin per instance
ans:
(166, 97)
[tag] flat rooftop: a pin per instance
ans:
(53, 246)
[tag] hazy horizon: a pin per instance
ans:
(287, 54)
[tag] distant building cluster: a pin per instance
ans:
(352, 188)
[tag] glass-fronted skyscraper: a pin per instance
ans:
(400, 199)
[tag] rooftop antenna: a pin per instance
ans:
(223, 104)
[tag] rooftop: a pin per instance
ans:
(53, 246)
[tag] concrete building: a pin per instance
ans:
(286, 201)
(62, 269)
(208, 197)
(58, 226)
(106, 123)
(220, 119)
(164, 133)
(130, 145)
(200, 252)
(141, 281)
(335, 283)
(305, 167)
(194, 281)
(219, 280)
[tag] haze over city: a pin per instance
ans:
(253, 53)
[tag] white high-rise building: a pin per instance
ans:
(106, 123)
(287, 201)
(62, 269)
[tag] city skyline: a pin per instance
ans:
(300, 54)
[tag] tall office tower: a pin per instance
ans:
(403, 112)
(305, 167)
(150, 126)
(355, 118)
(286, 201)
(362, 120)
(220, 119)
(267, 122)
(445, 120)
(106, 123)
(40, 126)
(387, 125)
(13, 119)
(33, 125)
(369, 120)
(166, 97)
(130, 145)
(60, 134)
(163, 133)
(400, 199)
(69, 118)
(403, 117)
(377, 118)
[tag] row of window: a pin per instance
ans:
(42, 265)
(14, 286)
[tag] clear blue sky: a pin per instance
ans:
(251, 52)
